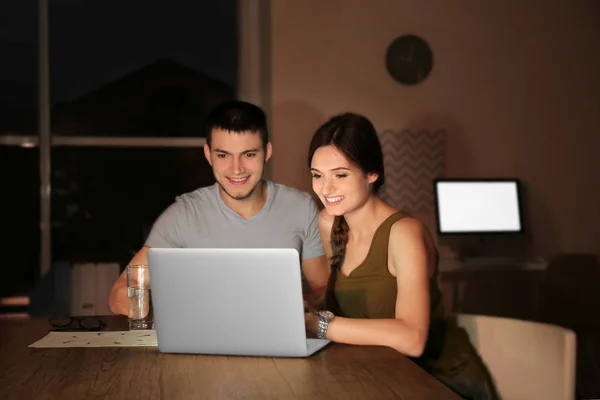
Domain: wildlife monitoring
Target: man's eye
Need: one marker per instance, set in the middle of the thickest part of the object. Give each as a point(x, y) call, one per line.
point(341, 175)
point(221, 155)
point(316, 176)
point(250, 155)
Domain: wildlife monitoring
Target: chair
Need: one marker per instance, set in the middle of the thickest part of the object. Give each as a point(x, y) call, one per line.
point(569, 298)
point(527, 360)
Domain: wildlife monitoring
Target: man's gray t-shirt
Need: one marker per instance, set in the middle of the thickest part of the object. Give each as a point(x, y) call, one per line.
point(201, 219)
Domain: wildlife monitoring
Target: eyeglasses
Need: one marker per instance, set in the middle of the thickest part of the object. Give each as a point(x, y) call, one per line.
point(76, 324)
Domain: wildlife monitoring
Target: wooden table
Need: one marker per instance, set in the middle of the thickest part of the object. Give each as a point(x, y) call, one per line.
point(336, 372)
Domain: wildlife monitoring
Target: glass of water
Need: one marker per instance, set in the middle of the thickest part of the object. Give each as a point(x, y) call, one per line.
point(141, 314)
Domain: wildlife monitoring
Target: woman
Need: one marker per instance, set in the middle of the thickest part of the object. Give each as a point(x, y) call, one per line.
point(383, 284)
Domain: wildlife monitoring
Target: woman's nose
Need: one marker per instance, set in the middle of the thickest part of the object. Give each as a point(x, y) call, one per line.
point(328, 187)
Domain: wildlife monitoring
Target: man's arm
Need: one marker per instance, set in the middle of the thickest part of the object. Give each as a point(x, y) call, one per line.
point(314, 260)
point(316, 301)
point(316, 273)
point(118, 301)
point(164, 233)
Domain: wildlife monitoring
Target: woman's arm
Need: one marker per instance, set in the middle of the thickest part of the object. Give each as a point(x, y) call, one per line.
point(411, 258)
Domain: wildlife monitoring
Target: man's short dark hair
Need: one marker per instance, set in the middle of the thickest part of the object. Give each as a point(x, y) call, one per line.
point(237, 116)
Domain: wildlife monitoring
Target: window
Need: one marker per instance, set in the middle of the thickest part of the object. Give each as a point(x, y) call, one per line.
point(130, 84)
point(104, 200)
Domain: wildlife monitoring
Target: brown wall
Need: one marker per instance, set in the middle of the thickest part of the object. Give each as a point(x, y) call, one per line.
point(515, 84)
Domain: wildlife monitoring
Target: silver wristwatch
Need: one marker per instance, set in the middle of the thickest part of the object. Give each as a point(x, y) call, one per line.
point(324, 318)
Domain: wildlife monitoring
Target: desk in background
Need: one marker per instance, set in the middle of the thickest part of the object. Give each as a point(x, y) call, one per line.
point(501, 287)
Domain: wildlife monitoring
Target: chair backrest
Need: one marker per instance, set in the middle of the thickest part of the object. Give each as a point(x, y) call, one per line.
point(528, 360)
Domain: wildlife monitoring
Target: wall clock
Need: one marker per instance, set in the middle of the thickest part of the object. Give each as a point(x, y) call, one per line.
point(409, 59)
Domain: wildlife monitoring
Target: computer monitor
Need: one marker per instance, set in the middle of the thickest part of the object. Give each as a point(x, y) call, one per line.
point(478, 206)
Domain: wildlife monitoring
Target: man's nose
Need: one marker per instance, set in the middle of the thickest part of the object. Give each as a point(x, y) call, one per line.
point(238, 165)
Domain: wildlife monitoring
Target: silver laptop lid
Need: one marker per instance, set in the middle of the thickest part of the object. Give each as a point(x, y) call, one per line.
point(228, 301)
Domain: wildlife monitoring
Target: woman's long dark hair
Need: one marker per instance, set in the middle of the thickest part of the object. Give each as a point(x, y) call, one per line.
point(356, 138)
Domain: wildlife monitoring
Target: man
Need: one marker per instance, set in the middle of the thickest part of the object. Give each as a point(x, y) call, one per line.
point(241, 209)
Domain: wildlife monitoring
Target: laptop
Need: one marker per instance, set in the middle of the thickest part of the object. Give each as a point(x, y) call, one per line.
point(238, 302)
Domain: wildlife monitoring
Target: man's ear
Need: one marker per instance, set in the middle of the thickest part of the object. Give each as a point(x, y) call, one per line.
point(269, 151)
point(207, 153)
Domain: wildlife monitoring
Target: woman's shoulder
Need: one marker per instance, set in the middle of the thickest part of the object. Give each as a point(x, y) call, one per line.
point(407, 225)
point(408, 232)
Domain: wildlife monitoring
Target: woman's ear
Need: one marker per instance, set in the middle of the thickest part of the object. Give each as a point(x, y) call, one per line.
point(372, 177)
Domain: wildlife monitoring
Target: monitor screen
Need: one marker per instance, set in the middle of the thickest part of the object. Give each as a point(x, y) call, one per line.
point(478, 206)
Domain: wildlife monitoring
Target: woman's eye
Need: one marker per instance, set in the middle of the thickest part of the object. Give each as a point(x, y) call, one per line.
point(341, 175)
point(316, 176)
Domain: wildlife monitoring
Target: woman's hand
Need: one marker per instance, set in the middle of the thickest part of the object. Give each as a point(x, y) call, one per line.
point(311, 321)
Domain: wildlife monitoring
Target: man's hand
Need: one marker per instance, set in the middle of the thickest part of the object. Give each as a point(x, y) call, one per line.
point(314, 296)
point(118, 302)
point(314, 300)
